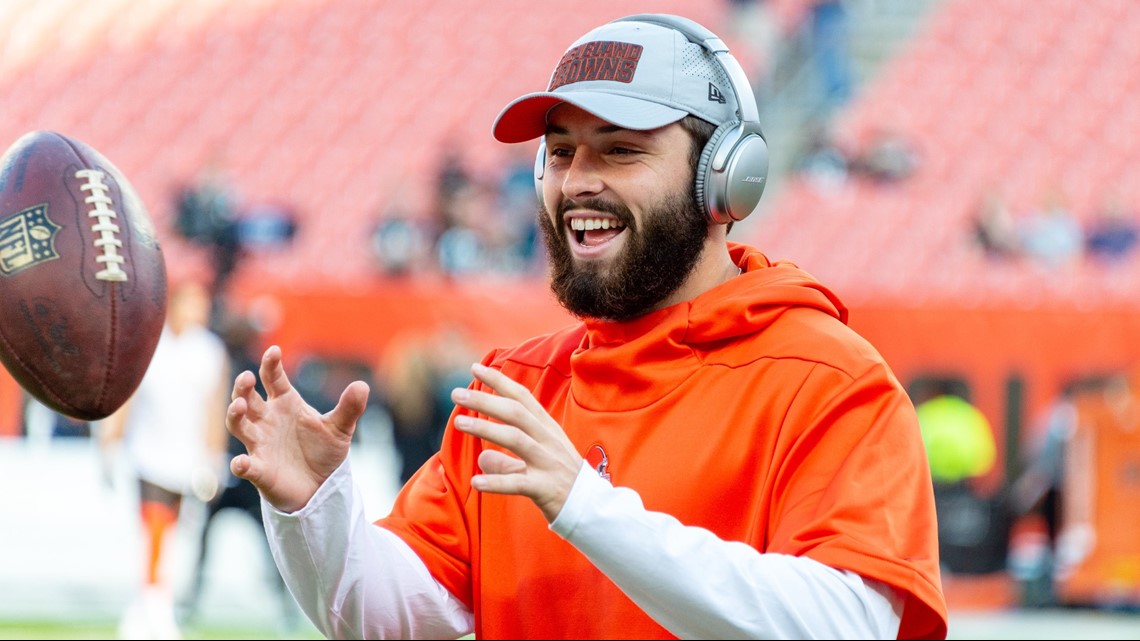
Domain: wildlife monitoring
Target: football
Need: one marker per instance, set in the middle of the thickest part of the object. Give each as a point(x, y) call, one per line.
point(82, 276)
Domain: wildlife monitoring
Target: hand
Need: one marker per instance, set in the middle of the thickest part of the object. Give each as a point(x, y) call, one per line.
point(291, 447)
point(547, 462)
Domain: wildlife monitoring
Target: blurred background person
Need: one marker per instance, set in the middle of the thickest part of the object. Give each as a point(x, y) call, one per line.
point(830, 29)
point(400, 242)
point(243, 345)
point(823, 161)
point(973, 526)
point(1079, 494)
point(1053, 236)
point(521, 244)
point(994, 227)
point(415, 377)
point(958, 438)
point(1113, 230)
point(1036, 495)
point(173, 438)
point(206, 214)
point(886, 157)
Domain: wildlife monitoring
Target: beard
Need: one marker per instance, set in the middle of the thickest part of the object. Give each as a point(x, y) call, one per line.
point(656, 260)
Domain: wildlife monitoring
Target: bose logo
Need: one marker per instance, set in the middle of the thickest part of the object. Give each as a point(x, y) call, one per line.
point(752, 179)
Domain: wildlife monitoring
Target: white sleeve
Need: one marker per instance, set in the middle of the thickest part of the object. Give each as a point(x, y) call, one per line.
point(353, 579)
point(699, 586)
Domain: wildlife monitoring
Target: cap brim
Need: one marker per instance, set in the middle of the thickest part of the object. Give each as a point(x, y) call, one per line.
point(525, 118)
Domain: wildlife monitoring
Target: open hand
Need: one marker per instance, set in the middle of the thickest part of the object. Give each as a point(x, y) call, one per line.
point(547, 462)
point(292, 448)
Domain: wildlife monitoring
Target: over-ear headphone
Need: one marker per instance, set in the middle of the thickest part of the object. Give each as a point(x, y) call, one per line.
point(733, 167)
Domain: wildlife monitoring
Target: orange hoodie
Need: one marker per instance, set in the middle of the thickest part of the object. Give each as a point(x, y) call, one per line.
point(752, 411)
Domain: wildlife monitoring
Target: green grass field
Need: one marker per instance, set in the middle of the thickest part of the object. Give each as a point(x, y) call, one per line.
point(107, 630)
point(35, 630)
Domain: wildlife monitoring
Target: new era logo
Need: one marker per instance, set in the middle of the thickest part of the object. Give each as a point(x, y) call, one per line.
point(715, 95)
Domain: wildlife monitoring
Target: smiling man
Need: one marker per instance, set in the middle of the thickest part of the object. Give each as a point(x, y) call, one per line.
point(710, 452)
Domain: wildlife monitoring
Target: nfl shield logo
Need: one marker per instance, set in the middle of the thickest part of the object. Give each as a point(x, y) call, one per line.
point(27, 238)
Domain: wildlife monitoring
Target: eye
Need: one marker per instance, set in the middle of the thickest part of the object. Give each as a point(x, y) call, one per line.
point(623, 151)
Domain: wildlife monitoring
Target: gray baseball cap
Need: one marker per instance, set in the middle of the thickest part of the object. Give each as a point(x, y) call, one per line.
point(636, 75)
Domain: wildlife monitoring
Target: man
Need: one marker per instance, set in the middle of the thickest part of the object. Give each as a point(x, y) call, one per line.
point(171, 433)
point(711, 452)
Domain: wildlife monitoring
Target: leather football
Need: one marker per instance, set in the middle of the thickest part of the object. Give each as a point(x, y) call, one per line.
point(82, 277)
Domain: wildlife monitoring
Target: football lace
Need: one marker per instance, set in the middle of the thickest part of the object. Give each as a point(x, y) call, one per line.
point(105, 227)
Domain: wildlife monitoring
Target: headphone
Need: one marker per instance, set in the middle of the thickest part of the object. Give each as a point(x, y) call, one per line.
point(733, 167)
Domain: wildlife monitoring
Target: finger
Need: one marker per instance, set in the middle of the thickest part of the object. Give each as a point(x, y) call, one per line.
point(503, 385)
point(498, 407)
point(353, 401)
point(514, 405)
point(243, 383)
point(273, 373)
point(240, 466)
point(247, 467)
point(502, 434)
point(516, 484)
point(507, 387)
point(239, 424)
point(496, 462)
point(511, 403)
point(251, 402)
point(236, 411)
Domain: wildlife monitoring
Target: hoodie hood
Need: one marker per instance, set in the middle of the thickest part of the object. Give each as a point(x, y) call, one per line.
point(648, 357)
point(752, 301)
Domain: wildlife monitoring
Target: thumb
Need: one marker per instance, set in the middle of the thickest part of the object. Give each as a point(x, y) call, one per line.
point(353, 401)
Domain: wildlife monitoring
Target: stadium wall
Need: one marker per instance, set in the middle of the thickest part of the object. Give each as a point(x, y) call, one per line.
point(1014, 362)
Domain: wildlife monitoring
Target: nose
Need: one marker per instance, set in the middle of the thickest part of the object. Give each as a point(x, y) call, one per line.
point(583, 175)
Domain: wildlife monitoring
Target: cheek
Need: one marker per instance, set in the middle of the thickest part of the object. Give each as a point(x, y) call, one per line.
point(547, 209)
point(546, 220)
point(549, 194)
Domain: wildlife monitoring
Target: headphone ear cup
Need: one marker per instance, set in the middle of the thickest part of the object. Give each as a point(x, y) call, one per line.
point(732, 172)
point(539, 169)
point(705, 182)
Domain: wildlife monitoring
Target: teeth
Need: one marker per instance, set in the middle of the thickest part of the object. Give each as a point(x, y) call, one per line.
point(590, 224)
